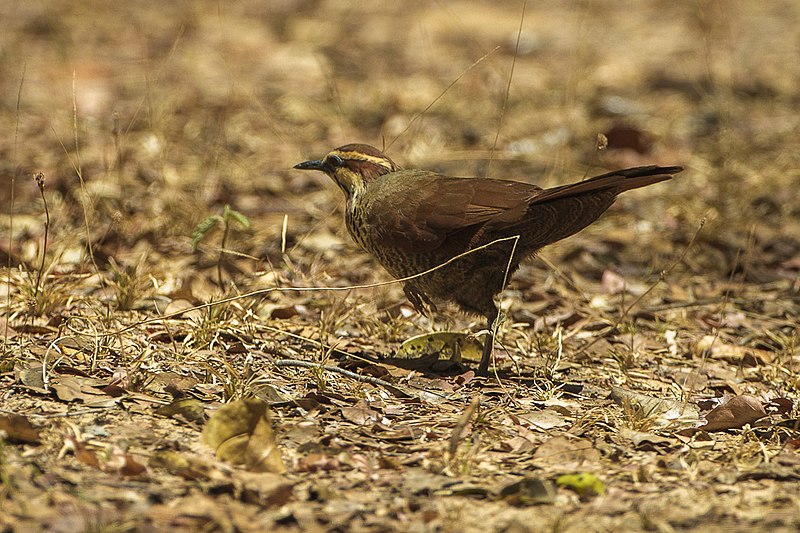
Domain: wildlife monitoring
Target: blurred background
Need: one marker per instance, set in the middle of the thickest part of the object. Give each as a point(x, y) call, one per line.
point(146, 117)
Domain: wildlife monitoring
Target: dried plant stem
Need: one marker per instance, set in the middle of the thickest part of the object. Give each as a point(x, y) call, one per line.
point(39, 178)
point(79, 412)
point(495, 325)
point(421, 113)
point(225, 230)
point(79, 172)
point(78, 168)
point(508, 90)
point(661, 277)
point(394, 389)
point(726, 299)
point(13, 198)
point(461, 424)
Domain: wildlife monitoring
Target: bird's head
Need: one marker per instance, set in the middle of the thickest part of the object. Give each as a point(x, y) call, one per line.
point(352, 166)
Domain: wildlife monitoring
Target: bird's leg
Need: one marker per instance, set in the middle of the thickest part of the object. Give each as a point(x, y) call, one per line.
point(488, 343)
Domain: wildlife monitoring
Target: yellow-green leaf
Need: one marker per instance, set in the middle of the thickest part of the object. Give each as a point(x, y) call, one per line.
point(444, 345)
point(584, 484)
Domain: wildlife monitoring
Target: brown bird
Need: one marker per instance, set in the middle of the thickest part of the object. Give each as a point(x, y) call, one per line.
point(413, 221)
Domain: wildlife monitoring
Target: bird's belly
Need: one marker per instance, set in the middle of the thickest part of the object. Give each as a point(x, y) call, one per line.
point(471, 281)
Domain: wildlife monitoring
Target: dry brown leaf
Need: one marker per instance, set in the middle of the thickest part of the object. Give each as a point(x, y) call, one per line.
point(241, 433)
point(179, 464)
point(18, 429)
point(566, 452)
point(82, 452)
point(187, 409)
point(8, 332)
point(716, 348)
point(284, 312)
point(529, 491)
point(68, 389)
point(175, 307)
point(265, 489)
point(360, 415)
point(612, 283)
point(516, 444)
point(32, 377)
point(545, 419)
point(315, 462)
point(638, 438)
point(661, 410)
point(690, 380)
point(124, 463)
point(83, 389)
point(737, 412)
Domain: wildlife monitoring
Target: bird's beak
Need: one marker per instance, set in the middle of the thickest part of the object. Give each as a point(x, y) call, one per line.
point(311, 165)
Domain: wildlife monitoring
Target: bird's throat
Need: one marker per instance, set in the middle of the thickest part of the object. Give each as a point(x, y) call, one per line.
point(354, 220)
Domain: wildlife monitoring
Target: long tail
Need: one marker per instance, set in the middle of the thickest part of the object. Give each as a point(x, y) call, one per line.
point(618, 181)
point(563, 211)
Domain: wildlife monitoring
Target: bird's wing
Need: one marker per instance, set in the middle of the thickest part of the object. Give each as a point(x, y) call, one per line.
point(441, 209)
point(417, 213)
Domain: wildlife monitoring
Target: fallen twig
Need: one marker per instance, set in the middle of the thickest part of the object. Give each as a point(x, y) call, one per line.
point(394, 389)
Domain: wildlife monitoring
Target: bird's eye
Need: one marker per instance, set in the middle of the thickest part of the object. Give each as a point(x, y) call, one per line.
point(335, 161)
